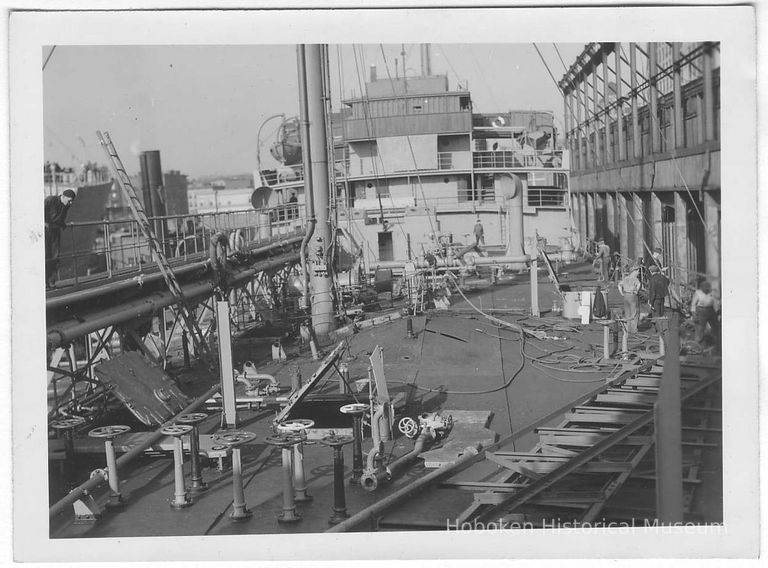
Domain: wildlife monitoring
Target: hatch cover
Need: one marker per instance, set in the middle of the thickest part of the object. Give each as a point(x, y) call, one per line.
point(145, 389)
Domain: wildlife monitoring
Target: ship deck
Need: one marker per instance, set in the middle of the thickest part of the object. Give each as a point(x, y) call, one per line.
point(457, 361)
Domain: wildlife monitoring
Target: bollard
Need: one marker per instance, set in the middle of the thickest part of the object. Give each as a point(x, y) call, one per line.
point(298, 428)
point(180, 496)
point(535, 288)
point(109, 433)
point(624, 342)
point(194, 419)
point(606, 345)
point(661, 345)
point(339, 499)
point(285, 442)
point(356, 410)
point(233, 439)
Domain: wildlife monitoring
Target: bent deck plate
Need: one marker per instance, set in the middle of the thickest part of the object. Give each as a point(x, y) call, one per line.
point(145, 389)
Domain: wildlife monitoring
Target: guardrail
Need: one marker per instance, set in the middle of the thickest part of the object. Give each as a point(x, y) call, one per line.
point(517, 159)
point(105, 249)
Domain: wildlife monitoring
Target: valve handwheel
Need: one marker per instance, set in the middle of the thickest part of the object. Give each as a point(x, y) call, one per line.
point(191, 418)
point(67, 423)
point(177, 429)
point(109, 431)
point(354, 408)
point(295, 426)
point(408, 427)
point(233, 437)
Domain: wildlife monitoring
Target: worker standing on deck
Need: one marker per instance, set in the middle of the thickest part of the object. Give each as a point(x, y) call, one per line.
point(479, 233)
point(604, 254)
point(55, 209)
point(705, 308)
point(629, 287)
point(658, 287)
point(293, 209)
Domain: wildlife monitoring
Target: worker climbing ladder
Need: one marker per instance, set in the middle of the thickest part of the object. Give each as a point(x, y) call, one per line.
point(137, 209)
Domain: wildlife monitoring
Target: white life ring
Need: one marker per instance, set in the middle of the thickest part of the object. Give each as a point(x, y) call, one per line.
point(498, 122)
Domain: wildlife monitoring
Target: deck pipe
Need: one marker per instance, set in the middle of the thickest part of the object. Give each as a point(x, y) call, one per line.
point(150, 305)
point(323, 320)
point(126, 458)
point(370, 480)
point(377, 509)
point(142, 280)
point(306, 153)
point(441, 263)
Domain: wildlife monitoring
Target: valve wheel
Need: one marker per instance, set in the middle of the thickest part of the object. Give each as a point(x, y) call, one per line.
point(408, 427)
point(283, 440)
point(177, 430)
point(295, 426)
point(354, 408)
point(67, 423)
point(233, 437)
point(336, 440)
point(109, 431)
point(192, 418)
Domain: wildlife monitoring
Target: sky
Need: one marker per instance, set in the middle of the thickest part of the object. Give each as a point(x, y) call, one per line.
point(202, 106)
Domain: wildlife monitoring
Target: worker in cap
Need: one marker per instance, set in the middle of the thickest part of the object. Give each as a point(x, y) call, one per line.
point(479, 233)
point(55, 209)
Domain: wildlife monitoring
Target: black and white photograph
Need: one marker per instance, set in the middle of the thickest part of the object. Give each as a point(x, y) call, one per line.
point(384, 284)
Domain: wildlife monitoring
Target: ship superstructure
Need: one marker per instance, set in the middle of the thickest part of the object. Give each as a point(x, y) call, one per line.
point(414, 163)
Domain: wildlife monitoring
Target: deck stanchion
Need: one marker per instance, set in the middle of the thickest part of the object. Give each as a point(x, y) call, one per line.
point(339, 498)
point(180, 496)
point(109, 433)
point(298, 428)
point(356, 410)
point(194, 419)
point(68, 426)
point(234, 439)
point(285, 443)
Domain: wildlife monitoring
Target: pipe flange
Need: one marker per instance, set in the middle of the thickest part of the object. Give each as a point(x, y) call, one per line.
point(176, 430)
point(109, 432)
point(100, 472)
point(192, 418)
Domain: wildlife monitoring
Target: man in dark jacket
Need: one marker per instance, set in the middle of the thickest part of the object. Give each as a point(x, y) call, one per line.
point(658, 288)
point(55, 209)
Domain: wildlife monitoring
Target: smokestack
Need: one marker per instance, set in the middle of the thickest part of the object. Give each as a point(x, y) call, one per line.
point(426, 64)
point(373, 73)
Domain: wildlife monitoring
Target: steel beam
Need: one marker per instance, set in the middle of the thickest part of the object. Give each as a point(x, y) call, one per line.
point(636, 134)
point(677, 107)
point(653, 97)
point(621, 145)
point(669, 434)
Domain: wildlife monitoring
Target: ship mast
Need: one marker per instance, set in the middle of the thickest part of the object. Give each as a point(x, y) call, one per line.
point(320, 246)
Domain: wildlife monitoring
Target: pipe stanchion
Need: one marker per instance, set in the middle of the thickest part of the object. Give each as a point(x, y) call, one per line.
point(233, 439)
point(68, 426)
point(109, 433)
point(194, 419)
point(356, 410)
point(339, 499)
point(285, 443)
point(298, 428)
point(409, 327)
point(180, 495)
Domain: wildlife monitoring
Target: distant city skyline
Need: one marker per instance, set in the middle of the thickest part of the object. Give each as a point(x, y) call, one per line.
point(202, 106)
